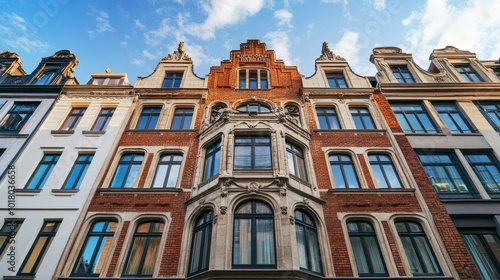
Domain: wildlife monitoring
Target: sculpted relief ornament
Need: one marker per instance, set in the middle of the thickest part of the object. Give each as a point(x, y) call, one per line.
point(179, 54)
point(327, 54)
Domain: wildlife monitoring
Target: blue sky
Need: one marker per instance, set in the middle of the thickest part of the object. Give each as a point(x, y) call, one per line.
point(132, 36)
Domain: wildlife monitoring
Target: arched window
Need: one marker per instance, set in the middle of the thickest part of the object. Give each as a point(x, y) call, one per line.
point(200, 246)
point(307, 242)
point(46, 78)
point(344, 173)
point(366, 250)
point(127, 170)
point(144, 248)
point(96, 249)
point(254, 108)
point(167, 171)
point(417, 248)
point(384, 171)
point(253, 236)
point(296, 162)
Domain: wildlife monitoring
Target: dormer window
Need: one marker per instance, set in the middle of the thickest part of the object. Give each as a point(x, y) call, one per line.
point(402, 74)
point(253, 79)
point(46, 78)
point(336, 80)
point(469, 74)
point(254, 108)
point(172, 80)
point(496, 70)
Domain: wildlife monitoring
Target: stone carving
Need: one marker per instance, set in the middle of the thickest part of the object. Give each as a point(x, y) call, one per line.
point(216, 217)
point(223, 191)
point(179, 54)
point(216, 113)
point(253, 187)
point(327, 54)
point(283, 191)
point(292, 220)
point(223, 210)
point(284, 210)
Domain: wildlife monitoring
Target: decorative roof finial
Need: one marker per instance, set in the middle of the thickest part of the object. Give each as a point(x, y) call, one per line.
point(179, 54)
point(327, 54)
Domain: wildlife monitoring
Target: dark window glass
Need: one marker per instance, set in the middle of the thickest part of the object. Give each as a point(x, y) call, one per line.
point(39, 248)
point(42, 171)
point(484, 247)
point(362, 118)
point(413, 118)
point(7, 235)
point(143, 252)
point(103, 119)
point(96, 249)
point(487, 170)
point(200, 245)
point(127, 171)
point(344, 173)
point(252, 153)
point(254, 108)
point(307, 242)
point(402, 74)
point(78, 172)
point(327, 118)
point(212, 160)
point(491, 111)
point(46, 78)
point(73, 119)
point(384, 171)
point(336, 80)
point(366, 250)
point(420, 256)
point(453, 118)
point(468, 73)
point(182, 118)
point(172, 80)
point(167, 171)
point(253, 79)
point(18, 116)
point(253, 236)
point(149, 118)
point(496, 70)
point(296, 162)
point(444, 172)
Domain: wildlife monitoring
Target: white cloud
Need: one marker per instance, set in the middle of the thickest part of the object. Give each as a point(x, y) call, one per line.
point(137, 62)
point(199, 56)
point(139, 24)
point(154, 37)
point(348, 47)
point(280, 43)
point(102, 21)
point(379, 4)
point(148, 55)
point(284, 17)
point(471, 26)
point(221, 13)
point(16, 34)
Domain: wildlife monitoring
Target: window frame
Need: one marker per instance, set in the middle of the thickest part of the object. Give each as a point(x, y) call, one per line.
point(401, 70)
point(182, 113)
point(253, 217)
point(481, 105)
point(381, 163)
point(86, 162)
point(129, 164)
point(105, 115)
point(481, 232)
point(172, 77)
point(342, 170)
point(206, 228)
point(102, 235)
point(311, 229)
point(51, 163)
point(336, 80)
point(453, 115)
point(169, 164)
point(9, 234)
point(45, 78)
point(363, 235)
point(247, 73)
point(397, 108)
point(212, 151)
point(21, 111)
point(363, 117)
point(46, 246)
point(493, 162)
point(416, 248)
point(295, 159)
point(150, 234)
point(73, 118)
point(261, 108)
point(324, 112)
point(253, 144)
point(149, 116)
point(467, 73)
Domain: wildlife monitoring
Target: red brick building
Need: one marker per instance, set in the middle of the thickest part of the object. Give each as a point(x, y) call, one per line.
point(257, 172)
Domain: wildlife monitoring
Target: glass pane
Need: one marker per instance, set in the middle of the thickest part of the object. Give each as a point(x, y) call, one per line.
point(314, 254)
point(196, 251)
point(483, 260)
point(84, 264)
point(301, 246)
point(135, 255)
point(428, 262)
point(174, 174)
point(262, 208)
point(242, 252)
point(359, 255)
point(411, 254)
point(263, 157)
point(151, 253)
point(132, 175)
point(375, 256)
point(265, 241)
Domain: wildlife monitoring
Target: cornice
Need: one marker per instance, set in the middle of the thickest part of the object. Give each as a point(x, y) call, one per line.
point(440, 89)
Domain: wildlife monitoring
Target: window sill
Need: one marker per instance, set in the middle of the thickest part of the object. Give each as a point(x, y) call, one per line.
point(343, 130)
point(12, 134)
point(372, 191)
point(60, 192)
point(467, 134)
point(93, 133)
point(19, 277)
point(62, 132)
point(455, 196)
point(409, 133)
point(161, 130)
point(140, 190)
point(27, 192)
